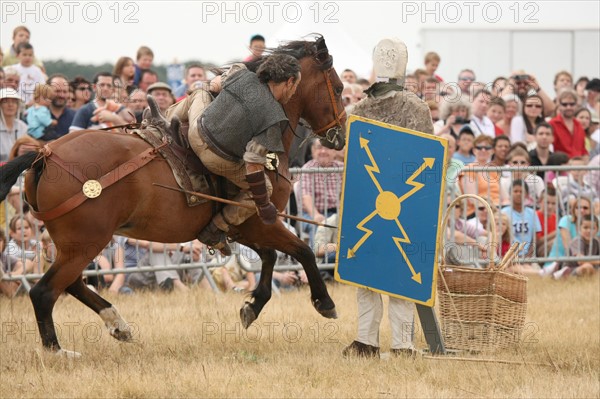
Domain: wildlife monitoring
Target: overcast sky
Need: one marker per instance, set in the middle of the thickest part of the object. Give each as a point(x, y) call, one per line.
point(218, 32)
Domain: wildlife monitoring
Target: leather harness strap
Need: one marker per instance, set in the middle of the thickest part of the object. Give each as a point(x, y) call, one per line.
point(105, 181)
point(338, 116)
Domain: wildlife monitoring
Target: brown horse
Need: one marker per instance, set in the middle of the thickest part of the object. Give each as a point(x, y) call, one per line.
point(134, 207)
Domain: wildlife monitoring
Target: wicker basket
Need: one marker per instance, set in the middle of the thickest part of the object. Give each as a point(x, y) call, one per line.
point(480, 309)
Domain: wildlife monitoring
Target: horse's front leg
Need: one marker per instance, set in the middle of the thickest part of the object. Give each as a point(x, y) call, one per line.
point(320, 298)
point(262, 293)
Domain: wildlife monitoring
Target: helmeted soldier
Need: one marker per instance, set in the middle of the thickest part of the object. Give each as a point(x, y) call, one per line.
point(387, 101)
point(233, 135)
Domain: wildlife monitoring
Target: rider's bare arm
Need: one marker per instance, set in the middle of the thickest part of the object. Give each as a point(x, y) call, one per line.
point(216, 84)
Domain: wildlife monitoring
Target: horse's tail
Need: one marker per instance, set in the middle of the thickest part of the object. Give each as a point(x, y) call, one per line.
point(10, 172)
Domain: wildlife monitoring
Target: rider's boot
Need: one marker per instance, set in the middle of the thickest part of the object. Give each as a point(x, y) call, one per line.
point(214, 235)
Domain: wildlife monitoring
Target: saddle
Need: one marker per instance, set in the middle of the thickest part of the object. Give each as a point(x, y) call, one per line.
point(188, 170)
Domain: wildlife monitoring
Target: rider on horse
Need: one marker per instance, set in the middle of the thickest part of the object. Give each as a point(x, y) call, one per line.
point(234, 133)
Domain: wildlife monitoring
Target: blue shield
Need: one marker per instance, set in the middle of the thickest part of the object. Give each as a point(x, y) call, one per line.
point(391, 208)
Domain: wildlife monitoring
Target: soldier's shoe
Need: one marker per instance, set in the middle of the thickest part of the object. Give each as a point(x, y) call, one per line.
point(405, 352)
point(360, 350)
point(214, 237)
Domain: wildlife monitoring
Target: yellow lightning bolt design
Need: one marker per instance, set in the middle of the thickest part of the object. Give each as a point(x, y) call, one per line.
point(427, 163)
point(404, 239)
point(373, 168)
point(388, 207)
point(361, 227)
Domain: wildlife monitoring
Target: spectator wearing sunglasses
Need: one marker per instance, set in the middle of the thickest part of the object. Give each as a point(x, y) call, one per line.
point(569, 136)
point(466, 77)
point(522, 126)
point(485, 183)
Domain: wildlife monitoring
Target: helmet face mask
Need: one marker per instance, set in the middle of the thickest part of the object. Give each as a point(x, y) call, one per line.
point(390, 57)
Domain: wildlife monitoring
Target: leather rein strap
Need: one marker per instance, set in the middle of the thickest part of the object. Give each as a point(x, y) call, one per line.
point(105, 181)
point(337, 115)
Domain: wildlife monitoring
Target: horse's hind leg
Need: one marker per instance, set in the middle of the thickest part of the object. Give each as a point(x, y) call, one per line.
point(44, 296)
point(117, 327)
point(262, 293)
point(65, 272)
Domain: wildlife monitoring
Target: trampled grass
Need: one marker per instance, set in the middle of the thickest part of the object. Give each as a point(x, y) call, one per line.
point(192, 345)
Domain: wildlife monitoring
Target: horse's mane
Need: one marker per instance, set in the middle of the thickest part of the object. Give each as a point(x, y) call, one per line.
point(299, 49)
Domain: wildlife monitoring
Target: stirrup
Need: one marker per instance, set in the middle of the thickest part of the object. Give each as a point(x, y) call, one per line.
point(216, 238)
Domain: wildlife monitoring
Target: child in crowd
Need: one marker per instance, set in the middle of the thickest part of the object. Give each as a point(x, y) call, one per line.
point(8, 263)
point(585, 244)
point(524, 219)
point(432, 62)
point(144, 59)
point(38, 115)
point(31, 75)
point(465, 146)
point(22, 238)
point(547, 215)
point(504, 232)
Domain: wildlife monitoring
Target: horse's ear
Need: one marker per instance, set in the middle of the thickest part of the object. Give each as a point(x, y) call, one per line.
point(154, 110)
point(322, 53)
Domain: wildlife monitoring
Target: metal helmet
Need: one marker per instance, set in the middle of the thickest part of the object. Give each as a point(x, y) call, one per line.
point(390, 57)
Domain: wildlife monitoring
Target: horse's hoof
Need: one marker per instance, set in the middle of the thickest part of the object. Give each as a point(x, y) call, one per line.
point(247, 315)
point(68, 354)
point(328, 313)
point(121, 335)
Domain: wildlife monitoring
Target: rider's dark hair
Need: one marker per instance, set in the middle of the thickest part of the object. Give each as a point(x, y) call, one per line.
point(278, 68)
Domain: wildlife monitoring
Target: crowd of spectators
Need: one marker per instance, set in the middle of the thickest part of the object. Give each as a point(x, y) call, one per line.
point(495, 129)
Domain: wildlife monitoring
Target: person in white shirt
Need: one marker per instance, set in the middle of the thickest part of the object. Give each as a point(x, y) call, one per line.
point(30, 73)
point(480, 123)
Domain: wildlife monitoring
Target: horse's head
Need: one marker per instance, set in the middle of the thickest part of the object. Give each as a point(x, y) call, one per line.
point(318, 99)
point(322, 88)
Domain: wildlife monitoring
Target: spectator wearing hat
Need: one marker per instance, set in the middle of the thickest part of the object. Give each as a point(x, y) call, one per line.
point(592, 96)
point(11, 127)
point(163, 94)
point(569, 136)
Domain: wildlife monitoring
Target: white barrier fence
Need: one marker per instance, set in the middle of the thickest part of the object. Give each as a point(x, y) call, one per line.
point(204, 261)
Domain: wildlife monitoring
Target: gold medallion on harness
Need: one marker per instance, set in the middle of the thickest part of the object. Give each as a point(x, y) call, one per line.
point(92, 188)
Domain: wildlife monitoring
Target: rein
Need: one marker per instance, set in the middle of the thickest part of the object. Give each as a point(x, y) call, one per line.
point(337, 121)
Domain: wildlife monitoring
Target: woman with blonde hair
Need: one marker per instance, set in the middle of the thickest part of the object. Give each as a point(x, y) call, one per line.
point(453, 116)
point(125, 70)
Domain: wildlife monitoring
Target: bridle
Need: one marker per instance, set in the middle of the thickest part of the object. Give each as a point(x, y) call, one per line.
point(331, 131)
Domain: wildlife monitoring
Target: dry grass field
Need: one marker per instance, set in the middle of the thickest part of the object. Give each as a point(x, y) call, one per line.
point(193, 346)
